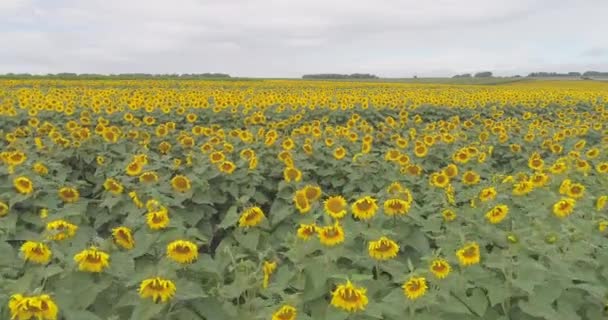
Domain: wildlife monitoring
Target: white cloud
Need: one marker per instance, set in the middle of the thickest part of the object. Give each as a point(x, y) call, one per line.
point(292, 37)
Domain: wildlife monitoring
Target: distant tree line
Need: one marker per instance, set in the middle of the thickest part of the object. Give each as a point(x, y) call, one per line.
point(340, 76)
point(67, 75)
point(569, 74)
point(483, 74)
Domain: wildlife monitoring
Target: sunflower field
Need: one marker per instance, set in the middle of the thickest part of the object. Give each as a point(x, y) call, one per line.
point(284, 200)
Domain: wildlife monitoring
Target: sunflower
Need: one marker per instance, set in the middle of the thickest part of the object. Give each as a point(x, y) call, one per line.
point(268, 269)
point(286, 312)
point(182, 251)
point(396, 206)
point(364, 208)
point(564, 207)
point(415, 287)
point(335, 207)
point(92, 260)
point(313, 193)
point(123, 237)
point(301, 201)
point(349, 298)
point(148, 177)
point(440, 268)
point(602, 167)
point(228, 167)
point(487, 194)
point(251, 217)
point(575, 190)
point(439, 179)
point(497, 214)
point(470, 178)
point(331, 235)
point(539, 179)
point(181, 183)
point(134, 168)
point(600, 203)
point(113, 186)
point(69, 195)
point(159, 219)
point(3, 209)
point(448, 215)
point(40, 168)
point(536, 162)
point(60, 230)
point(159, 289)
point(40, 307)
point(339, 153)
point(394, 188)
point(292, 174)
point(564, 187)
point(383, 249)
point(522, 188)
point(451, 170)
point(36, 252)
point(469, 254)
point(135, 198)
point(305, 231)
point(16, 158)
point(421, 151)
point(558, 167)
point(23, 185)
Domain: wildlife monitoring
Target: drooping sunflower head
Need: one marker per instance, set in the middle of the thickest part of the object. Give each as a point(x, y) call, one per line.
point(159, 219)
point(487, 194)
point(123, 237)
point(364, 208)
point(396, 206)
point(349, 297)
point(469, 254)
point(3, 209)
point(92, 260)
point(148, 177)
point(286, 312)
point(251, 217)
point(497, 214)
point(335, 206)
point(36, 252)
point(182, 251)
point(60, 230)
point(564, 207)
point(134, 168)
point(228, 167)
point(415, 287)
point(523, 187)
point(159, 289)
point(32, 307)
point(383, 249)
point(305, 231)
point(113, 186)
point(301, 201)
point(331, 235)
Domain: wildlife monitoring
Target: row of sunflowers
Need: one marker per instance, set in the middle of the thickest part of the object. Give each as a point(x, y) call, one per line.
point(290, 200)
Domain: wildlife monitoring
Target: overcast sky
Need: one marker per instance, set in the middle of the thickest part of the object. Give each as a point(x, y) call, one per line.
point(288, 38)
